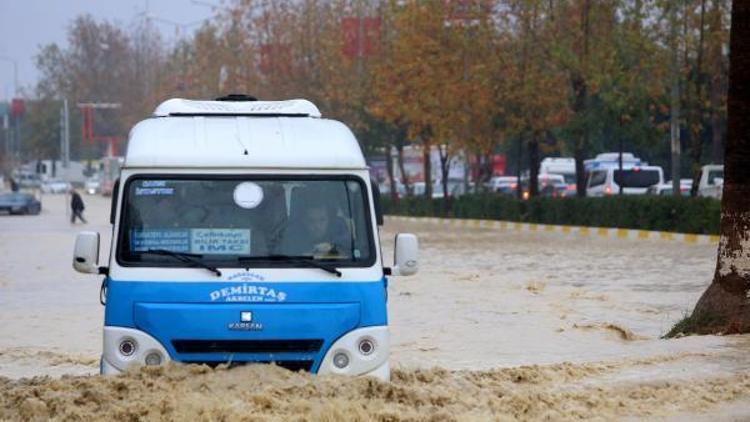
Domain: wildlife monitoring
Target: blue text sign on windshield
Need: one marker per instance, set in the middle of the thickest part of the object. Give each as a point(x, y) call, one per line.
point(176, 240)
point(200, 241)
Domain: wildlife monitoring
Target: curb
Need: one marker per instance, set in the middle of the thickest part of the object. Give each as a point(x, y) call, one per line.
point(615, 233)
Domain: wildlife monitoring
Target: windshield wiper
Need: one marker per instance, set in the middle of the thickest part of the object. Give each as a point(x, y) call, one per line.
point(306, 260)
point(188, 258)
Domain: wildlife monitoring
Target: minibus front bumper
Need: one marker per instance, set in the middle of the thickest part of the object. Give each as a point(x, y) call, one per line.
point(360, 352)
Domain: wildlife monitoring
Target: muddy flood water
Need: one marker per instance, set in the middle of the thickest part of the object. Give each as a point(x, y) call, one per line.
point(498, 325)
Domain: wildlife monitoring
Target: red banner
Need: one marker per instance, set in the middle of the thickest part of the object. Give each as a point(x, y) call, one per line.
point(17, 108)
point(369, 28)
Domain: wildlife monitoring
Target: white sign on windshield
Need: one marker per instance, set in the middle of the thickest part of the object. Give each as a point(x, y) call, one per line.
point(220, 241)
point(200, 241)
point(248, 195)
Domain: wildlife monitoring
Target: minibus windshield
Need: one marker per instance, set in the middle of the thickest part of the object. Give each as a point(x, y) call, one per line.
point(246, 221)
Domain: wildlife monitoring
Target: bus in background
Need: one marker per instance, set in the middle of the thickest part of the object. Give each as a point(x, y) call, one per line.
point(563, 166)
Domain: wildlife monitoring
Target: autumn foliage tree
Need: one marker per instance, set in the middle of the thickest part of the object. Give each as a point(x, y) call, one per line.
point(466, 78)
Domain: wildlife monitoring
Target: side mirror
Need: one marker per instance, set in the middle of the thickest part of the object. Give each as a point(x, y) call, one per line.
point(405, 255)
point(86, 254)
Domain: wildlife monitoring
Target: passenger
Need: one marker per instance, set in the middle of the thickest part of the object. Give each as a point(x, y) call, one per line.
point(163, 212)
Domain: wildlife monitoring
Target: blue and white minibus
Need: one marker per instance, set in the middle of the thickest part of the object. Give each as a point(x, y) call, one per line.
point(245, 231)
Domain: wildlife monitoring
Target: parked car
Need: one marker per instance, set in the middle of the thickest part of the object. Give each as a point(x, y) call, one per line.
point(419, 188)
point(505, 185)
point(553, 185)
point(634, 180)
point(666, 188)
point(564, 166)
point(19, 203)
point(27, 180)
point(711, 183)
point(92, 186)
point(55, 186)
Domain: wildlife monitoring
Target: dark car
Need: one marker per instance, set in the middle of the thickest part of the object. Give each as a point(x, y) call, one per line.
point(20, 203)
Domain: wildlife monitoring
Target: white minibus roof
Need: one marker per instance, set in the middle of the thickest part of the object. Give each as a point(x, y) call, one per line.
point(182, 107)
point(242, 134)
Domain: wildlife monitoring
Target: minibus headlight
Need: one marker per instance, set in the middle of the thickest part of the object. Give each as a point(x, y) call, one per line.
point(366, 346)
point(341, 360)
point(127, 347)
point(153, 359)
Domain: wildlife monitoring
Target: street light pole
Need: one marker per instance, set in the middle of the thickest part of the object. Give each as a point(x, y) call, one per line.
point(15, 73)
point(12, 133)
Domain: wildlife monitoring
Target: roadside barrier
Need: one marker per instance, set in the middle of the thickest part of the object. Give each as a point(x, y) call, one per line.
point(616, 233)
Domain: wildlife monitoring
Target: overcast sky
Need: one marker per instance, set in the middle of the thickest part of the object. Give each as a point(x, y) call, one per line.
point(27, 24)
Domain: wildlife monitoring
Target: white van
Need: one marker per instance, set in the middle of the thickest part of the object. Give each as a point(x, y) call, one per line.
point(564, 166)
point(245, 232)
point(634, 180)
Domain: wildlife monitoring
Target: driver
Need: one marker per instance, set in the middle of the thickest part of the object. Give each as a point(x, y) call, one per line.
point(324, 238)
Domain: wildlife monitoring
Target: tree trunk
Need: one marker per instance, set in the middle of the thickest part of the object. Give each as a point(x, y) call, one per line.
point(402, 169)
point(674, 108)
point(486, 170)
point(578, 155)
point(716, 69)
point(619, 155)
point(534, 165)
point(724, 306)
point(445, 160)
point(581, 103)
point(391, 175)
point(715, 122)
point(479, 178)
point(696, 123)
point(427, 170)
point(519, 159)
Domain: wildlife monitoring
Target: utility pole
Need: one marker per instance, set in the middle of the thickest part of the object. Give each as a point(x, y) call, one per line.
point(66, 155)
point(5, 126)
point(15, 73)
point(64, 134)
point(12, 131)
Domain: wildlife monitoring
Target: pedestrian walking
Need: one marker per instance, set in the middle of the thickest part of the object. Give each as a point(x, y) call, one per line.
point(76, 206)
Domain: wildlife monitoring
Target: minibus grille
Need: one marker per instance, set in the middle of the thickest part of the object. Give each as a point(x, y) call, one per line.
point(292, 365)
point(247, 346)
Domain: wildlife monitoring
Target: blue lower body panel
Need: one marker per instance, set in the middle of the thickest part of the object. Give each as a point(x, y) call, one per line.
point(292, 324)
